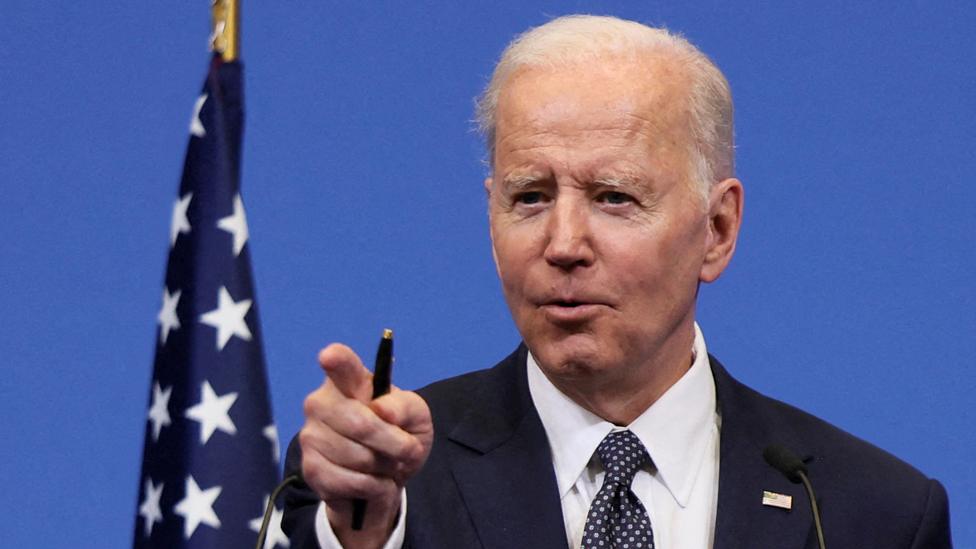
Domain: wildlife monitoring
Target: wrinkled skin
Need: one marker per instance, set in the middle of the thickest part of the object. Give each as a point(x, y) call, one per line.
point(599, 236)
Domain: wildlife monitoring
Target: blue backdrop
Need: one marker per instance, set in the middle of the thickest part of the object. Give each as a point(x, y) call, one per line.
point(849, 295)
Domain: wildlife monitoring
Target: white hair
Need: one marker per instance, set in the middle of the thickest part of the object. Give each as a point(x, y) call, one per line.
point(574, 39)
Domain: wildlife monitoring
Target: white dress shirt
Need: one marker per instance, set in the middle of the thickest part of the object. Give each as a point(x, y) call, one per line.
point(681, 434)
point(679, 489)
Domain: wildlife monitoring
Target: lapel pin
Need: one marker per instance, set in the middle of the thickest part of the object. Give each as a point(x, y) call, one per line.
point(773, 499)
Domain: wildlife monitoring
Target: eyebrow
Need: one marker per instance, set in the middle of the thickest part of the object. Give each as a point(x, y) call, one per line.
point(614, 181)
point(628, 184)
point(618, 181)
point(519, 182)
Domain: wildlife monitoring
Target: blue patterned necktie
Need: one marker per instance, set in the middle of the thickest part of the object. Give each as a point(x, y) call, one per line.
point(617, 519)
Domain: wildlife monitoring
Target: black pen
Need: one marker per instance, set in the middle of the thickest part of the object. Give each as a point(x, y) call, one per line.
point(382, 369)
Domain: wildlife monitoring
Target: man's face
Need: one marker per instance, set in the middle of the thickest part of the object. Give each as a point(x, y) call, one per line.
point(598, 235)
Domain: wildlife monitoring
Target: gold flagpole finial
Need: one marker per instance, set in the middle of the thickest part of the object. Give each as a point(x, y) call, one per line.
point(226, 29)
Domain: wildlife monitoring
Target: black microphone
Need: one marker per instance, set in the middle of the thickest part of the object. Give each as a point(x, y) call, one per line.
point(792, 467)
point(263, 532)
point(785, 462)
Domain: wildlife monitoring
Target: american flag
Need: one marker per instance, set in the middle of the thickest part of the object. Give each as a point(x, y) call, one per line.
point(210, 458)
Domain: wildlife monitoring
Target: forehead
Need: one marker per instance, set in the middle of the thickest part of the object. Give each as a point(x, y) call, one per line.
point(649, 86)
point(595, 108)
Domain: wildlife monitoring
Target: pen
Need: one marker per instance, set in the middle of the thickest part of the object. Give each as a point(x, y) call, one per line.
point(382, 369)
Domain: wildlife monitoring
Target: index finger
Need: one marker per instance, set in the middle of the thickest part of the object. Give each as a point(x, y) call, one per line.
point(347, 372)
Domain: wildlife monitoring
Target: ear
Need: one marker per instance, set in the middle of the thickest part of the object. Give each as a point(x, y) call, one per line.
point(489, 184)
point(724, 218)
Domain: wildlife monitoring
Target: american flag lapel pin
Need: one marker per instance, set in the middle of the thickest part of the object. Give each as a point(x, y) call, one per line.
point(773, 499)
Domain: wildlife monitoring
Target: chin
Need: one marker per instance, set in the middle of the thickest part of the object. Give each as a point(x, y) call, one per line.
point(575, 356)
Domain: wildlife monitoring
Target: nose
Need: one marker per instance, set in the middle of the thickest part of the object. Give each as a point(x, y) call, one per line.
point(569, 244)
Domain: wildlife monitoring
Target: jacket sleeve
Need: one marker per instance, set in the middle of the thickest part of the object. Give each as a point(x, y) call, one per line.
point(301, 504)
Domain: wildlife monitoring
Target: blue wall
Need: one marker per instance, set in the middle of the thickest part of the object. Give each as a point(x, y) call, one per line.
point(849, 296)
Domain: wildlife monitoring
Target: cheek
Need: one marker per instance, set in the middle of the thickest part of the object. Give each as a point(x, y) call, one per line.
point(679, 259)
point(655, 265)
point(514, 244)
point(511, 259)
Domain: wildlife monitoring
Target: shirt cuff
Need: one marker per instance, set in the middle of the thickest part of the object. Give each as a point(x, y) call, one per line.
point(328, 540)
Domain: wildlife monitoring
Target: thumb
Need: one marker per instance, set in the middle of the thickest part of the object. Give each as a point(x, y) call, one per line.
point(346, 371)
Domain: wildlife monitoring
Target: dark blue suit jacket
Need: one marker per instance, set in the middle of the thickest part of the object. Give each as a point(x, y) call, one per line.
point(489, 480)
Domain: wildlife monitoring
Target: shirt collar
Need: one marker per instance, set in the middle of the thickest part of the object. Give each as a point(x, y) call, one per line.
point(675, 429)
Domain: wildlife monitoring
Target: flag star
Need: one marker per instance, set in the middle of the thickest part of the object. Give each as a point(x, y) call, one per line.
point(159, 411)
point(236, 224)
point(179, 224)
point(276, 536)
point(271, 433)
point(149, 508)
point(197, 507)
point(228, 318)
point(167, 317)
point(212, 412)
point(196, 127)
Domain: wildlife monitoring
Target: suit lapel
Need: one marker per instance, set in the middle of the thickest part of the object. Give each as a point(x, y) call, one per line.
point(743, 521)
point(500, 460)
point(501, 463)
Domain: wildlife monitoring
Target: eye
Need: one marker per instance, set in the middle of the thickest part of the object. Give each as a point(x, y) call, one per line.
point(614, 197)
point(529, 198)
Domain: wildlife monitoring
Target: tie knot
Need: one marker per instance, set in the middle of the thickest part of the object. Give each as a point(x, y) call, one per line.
point(621, 454)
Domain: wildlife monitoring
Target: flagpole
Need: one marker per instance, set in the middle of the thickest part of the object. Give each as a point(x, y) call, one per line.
point(226, 29)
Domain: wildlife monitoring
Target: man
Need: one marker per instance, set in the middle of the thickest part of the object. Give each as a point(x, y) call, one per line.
point(612, 197)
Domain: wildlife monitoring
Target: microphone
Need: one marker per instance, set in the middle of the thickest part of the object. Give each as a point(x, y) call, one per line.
point(263, 532)
point(792, 467)
point(785, 462)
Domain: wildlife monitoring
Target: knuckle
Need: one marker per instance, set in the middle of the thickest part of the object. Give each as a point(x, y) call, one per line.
point(404, 448)
point(413, 456)
point(419, 411)
point(416, 450)
point(415, 400)
point(306, 439)
point(364, 462)
point(310, 405)
point(359, 426)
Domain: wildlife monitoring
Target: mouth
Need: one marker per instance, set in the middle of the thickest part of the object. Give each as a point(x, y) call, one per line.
point(570, 311)
point(566, 303)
